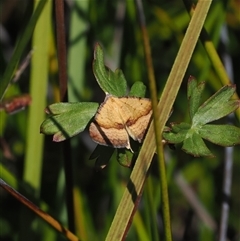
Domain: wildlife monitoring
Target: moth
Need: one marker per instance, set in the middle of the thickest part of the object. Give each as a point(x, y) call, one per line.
point(119, 118)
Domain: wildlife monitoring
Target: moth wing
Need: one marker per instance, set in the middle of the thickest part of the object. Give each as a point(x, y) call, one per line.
point(117, 138)
point(139, 115)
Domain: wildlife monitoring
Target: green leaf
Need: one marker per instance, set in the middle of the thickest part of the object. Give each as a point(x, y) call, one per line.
point(68, 119)
point(224, 135)
point(178, 134)
point(195, 146)
point(125, 157)
point(138, 89)
point(216, 106)
point(194, 95)
point(63, 107)
point(110, 82)
point(180, 127)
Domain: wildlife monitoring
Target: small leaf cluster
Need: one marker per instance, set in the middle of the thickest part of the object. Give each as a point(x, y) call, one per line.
point(68, 119)
point(216, 107)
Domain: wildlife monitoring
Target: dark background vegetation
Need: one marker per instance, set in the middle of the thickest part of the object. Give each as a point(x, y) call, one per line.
point(98, 192)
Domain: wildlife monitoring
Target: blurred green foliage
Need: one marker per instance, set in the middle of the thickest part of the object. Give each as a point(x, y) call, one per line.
point(97, 192)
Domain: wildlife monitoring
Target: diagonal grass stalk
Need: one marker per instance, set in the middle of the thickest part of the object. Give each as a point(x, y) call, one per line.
point(127, 206)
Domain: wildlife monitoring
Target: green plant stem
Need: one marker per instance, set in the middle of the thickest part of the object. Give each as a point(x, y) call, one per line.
point(157, 128)
point(127, 206)
point(38, 89)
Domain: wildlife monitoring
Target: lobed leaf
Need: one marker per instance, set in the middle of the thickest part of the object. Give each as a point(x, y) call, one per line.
point(216, 106)
point(63, 107)
point(178, 134)
point(194, 94)
point(71, 119)
point(110, 82)
point(138, 89)
point(223, 135)
point(176, 127)
point(195, 146)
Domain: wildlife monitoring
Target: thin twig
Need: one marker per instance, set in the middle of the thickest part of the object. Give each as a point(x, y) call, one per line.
point(22, 67)
point(227, 182)
point(24, 64)
point(228, 160)
point(157, 127)
point(62, 61)
point(46, 217)
point(61, 47)
point(197, 206)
